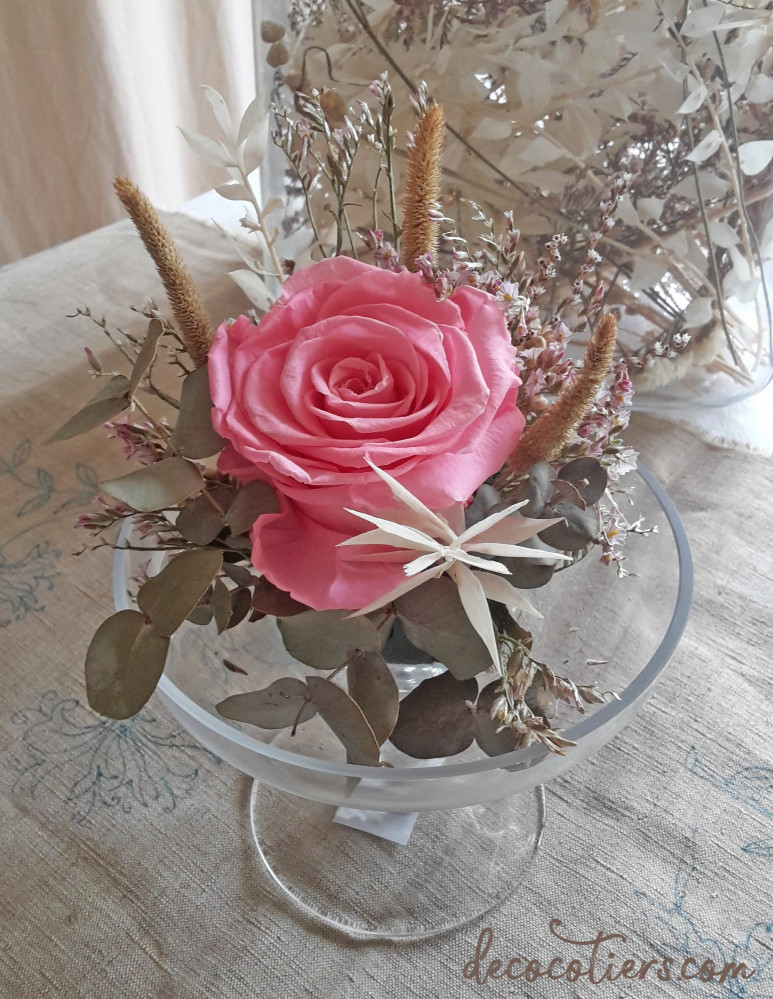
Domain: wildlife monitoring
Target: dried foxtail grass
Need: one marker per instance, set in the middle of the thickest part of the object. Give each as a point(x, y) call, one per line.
point(193, 320)
point(549, 434)
point(420, 234)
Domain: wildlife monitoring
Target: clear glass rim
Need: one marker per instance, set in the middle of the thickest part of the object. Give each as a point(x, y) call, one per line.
point(519, 759)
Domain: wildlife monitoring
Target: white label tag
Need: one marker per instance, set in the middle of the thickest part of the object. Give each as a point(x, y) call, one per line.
point(394, 826)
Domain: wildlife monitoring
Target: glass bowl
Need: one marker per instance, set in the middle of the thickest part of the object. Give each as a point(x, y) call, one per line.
point(479, 818)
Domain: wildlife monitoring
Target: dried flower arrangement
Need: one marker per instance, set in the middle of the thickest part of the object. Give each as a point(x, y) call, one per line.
point(678, 94)
point(403, 449)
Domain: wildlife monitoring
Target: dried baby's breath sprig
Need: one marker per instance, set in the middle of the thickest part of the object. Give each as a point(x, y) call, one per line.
point(188, 307)
point(420, 231)
point(545, 438)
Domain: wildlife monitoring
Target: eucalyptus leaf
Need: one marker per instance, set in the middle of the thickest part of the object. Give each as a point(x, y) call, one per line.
point(373, 687)
point(588, 476)
point(221, 605)
point(124, 663)
point(283, 703)
point(434, 620)
point(492, 743)
point(436, 719)
point(193, 435)
point(241, 604)
point(250, 502)
point(346, 719)
point(325, 639)
point(577, 529)
point(536, 489)
point(168, 598)
point(147, 354)
point(199, 521)
point(201, 615)
point(269, 599)
point(163, 484)
point(107, 403)
point(239, 574)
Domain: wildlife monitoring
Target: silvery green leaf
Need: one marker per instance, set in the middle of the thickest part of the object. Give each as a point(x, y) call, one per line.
point(723, 234)
point(241, 604)
point(233, 192)
point(576, 529)
point(254, 149)
point(755, 156)
point(256, 113)
point(708, 145)
point(165, 483)
point(193, 435)
point(168, 598)
point(492, 743)
point(373, 687)
point(435, 621)
point(250, 502)
point(199, 521)
point(703, 19)
point(694, 100)
point(325, 639)
point(759, 90)
point(589, 477)
point(124, 663)
point(254, 287)
point(210, 150)
point(221, 605)
point(273, 205)
point(112, 399)
point(269, 599)
point(698, 313)
point(436, 719)
point(345, 718)
point(147, 353)
point(201, 615)
point(220, 111)
point(283, 703)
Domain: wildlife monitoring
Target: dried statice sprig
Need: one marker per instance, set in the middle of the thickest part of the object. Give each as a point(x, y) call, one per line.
point(141, 441)
point(193, 320)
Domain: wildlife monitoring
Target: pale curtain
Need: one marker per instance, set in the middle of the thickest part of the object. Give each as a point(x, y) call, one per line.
point(95, 88)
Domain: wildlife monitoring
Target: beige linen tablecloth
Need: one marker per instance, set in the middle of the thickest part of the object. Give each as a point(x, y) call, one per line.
point(127, 867)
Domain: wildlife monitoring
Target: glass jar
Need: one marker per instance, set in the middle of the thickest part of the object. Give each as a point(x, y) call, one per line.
point(546, 102)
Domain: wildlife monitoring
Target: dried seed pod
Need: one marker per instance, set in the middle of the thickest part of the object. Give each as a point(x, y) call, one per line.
point(271, 31)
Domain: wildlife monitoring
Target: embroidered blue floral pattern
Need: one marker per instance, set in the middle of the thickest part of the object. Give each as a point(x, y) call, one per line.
point(671, 929)
point(92, 762)
point(752, 786)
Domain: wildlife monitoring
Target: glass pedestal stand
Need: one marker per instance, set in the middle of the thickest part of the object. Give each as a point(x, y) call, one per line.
point(457, 865)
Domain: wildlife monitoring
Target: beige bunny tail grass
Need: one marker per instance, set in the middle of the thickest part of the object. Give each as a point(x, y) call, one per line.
point(193, 320)
point(422, 187)
point(549, 434)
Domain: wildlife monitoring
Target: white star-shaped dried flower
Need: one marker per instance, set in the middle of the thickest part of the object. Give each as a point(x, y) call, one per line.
point(459, 555)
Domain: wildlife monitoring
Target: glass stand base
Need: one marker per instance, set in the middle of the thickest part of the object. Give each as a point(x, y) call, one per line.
point(457, 866)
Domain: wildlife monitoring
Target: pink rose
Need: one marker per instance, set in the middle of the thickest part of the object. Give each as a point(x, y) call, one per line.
point(354, 361)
